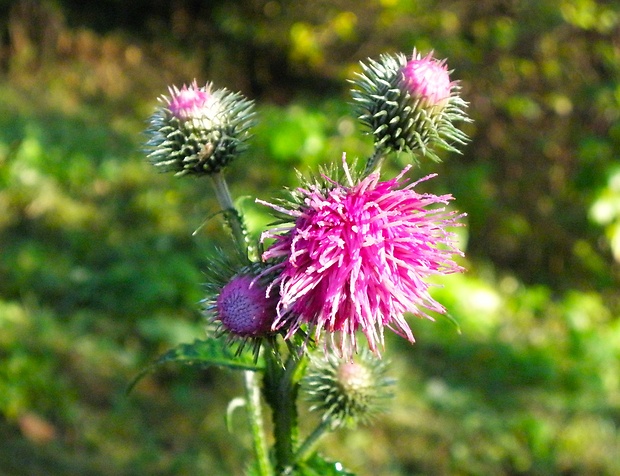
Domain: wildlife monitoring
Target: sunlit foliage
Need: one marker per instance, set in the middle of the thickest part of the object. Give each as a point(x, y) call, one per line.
point(100, 272)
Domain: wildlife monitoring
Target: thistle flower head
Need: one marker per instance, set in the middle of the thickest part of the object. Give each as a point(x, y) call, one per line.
point(237, 303)
point(410, 104)
point(347, 392)
point(198, 130)
point(356, 257)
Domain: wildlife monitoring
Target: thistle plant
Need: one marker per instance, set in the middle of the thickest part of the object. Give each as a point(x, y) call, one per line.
point(303, 311)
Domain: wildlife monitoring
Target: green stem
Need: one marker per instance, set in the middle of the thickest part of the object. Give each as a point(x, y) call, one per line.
point(281, 389)
point(233, 218)
point(309, 445)
point(374, 161)
point(252, 388)
point(285, 418)
point(256, 423)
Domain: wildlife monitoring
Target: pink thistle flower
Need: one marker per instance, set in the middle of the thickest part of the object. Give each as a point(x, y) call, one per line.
point(428, 79)
point(357, 258)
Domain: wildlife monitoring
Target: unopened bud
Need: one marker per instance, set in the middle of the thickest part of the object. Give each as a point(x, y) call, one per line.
point(198, 130)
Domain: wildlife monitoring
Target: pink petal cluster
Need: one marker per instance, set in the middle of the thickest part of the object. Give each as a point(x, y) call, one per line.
point(357, 258)
point(428, 78)
point(189, 102)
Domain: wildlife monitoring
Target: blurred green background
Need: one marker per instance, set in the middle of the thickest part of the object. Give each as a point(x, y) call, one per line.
point(100, 272)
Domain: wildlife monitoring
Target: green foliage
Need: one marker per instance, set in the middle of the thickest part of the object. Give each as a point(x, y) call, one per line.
point(318, 466)
point(204, 354)
point(605, 211)
point(315, 466)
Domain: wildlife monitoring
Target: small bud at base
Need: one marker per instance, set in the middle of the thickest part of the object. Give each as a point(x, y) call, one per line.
point(347, 391)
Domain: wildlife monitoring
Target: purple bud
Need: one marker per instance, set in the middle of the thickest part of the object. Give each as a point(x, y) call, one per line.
point(244, 309)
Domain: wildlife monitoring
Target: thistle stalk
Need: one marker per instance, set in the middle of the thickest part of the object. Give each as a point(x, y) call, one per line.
point(252, 388)
point(281, 390)
point(232, 216)
point(261, 451)
point(309, 445)
point(374, 161)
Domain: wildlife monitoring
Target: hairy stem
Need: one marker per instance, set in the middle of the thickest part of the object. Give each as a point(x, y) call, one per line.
point(252, 388)
point(281, 389)
point(232, 216)
point(256, 423)
point(374, 161)
point(311, 442)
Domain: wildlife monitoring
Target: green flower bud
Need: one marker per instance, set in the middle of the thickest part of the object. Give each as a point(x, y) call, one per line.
point(199, 131)
point(410, 105)
point(347, 391)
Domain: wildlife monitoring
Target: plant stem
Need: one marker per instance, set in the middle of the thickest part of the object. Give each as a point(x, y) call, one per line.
point(281, 389)
point(233, 218)
point(256, 423)
point(309, 445)
point(285, 418)
point(252, 387)
point(374, 161)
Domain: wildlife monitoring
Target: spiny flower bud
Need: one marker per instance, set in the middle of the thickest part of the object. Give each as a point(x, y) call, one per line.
point(198, 130)
point(243, 308)
point(237, 305)
point(348, 392)
point(410, 105)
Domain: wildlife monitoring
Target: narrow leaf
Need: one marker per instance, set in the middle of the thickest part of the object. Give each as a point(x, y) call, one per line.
point(203, 353)
point(232, 406)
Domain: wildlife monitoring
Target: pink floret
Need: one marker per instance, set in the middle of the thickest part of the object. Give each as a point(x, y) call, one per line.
point(189, 102)
point(428, 78)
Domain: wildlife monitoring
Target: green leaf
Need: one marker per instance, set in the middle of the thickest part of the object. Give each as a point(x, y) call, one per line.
point(230, 409)
point(203, 353)
point(315, 466)
point(319, 466)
